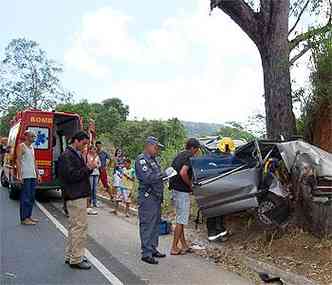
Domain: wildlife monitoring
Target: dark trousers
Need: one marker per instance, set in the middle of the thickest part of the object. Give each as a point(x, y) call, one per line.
point(27, 198)
point(149, 213)
point(215, 225)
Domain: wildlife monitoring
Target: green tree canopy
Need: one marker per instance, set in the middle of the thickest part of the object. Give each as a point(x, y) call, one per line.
point(131, 135)
point(319, 100)
point(5, 121)
point(106, 117)
point(29, 79)
point(117, 104)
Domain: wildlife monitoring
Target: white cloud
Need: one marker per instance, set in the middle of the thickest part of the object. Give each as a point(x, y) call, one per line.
point(195, 99)
point(220, 77)
point(80, 59)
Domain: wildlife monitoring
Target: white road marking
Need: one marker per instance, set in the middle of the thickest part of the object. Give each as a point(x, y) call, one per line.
point(103, 270)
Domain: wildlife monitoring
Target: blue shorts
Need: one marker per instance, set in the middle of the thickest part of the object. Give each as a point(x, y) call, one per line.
point(123, 194)
point(181, 202)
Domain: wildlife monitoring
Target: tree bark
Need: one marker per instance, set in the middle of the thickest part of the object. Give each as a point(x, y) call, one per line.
point(280, 119)
point(274, 50)
point(269, 31)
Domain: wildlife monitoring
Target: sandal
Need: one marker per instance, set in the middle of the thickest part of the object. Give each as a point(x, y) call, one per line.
point(188, 250)
point(179, 252)
point(34, 220)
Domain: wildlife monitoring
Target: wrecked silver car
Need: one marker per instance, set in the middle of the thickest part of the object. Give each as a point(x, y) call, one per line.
point(258, 175)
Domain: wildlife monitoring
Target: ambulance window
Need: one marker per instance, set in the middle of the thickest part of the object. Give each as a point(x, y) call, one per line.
point(13, 135)
point(42, 137)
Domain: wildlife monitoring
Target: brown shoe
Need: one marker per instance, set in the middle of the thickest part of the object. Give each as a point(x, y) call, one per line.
point(28, 222)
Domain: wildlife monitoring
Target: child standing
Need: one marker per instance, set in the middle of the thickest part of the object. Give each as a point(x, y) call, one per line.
point(117, 182)
point(127, 184)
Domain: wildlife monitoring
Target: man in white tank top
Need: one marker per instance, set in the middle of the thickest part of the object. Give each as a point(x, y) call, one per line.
point(27, 175)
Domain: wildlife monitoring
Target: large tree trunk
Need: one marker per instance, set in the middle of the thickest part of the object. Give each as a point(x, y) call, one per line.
point(268, 28)
point(280, 120)
point(274, 50)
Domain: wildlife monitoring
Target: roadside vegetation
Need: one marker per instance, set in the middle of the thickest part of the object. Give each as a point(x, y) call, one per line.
point(30, 79)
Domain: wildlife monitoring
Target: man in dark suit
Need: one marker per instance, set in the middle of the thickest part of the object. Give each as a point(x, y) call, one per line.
point(74, 176)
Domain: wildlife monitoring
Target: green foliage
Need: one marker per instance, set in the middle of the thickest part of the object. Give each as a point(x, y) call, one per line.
point(235, 131)
point(116, 103)
point(197, 129)
point(131, 135)
point(5, 121)
point(256, 125)
point(107, 115)
point(301, 125)
point(82, 108)
point(112, 126)
point(322, 77)
point(320, 96)
point(28, 78)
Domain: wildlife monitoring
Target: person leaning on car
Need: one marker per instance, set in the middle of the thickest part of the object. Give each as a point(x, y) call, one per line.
point(215, 225)
point(74, 176)
point(181, 185)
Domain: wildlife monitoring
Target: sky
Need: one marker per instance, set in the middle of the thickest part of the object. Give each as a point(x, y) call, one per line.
point(164, 59)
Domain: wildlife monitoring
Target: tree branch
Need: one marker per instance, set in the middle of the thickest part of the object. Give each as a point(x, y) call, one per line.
point(308, 35)
point(294, 7)
point(300, 54)
point(299, 17)
point(241, 13)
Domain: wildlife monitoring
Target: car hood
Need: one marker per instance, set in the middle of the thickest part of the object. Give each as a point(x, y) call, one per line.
point(295, 151)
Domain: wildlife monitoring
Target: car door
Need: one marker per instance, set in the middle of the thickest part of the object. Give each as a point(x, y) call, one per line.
point(225, 184)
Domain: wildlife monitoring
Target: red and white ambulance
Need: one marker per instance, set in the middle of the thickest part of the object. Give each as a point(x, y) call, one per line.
point(53, 131)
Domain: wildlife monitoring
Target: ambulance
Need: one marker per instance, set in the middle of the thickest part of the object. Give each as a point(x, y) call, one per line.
point(53, 131)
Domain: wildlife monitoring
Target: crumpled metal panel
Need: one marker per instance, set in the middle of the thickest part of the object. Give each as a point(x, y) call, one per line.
point(322, 160)
point(230, 194)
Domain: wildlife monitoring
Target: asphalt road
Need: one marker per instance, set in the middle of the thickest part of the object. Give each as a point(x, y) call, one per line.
point(34, 254)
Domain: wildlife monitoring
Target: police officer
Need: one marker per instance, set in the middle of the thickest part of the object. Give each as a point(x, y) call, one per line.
point(150, 197)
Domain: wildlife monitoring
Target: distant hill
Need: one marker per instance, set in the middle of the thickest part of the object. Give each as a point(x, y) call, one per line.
point(198, 129)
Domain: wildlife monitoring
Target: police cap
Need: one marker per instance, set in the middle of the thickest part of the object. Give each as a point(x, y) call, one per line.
point(153, 141)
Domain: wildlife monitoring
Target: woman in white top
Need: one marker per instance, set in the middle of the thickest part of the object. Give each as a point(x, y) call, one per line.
point(27, 175)
point(93, 157)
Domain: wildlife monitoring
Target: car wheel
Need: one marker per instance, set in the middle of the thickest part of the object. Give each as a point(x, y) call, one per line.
point(14, 192)
point(272, 205)
point(4, 181)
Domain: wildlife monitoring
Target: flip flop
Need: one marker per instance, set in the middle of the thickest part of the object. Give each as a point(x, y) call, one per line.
point(180, 252)
point(188, 250)
point(34, 220)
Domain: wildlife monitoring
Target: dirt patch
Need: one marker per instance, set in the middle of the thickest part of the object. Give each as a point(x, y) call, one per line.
point(292, 250)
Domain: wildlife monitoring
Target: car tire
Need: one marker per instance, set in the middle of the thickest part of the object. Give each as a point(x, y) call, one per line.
point(14, 192)
point(4, 181)
point(271, 202)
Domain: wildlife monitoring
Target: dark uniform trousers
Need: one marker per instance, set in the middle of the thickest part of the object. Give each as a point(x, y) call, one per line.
point(149, 212)
point(150, 177)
